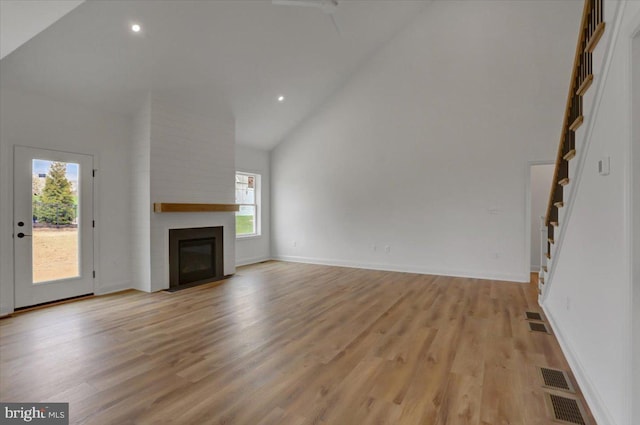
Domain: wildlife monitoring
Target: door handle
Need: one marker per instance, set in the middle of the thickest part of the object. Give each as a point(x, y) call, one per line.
point(22, 235)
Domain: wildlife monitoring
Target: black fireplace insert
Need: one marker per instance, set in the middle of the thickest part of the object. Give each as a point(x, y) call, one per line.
point(195, 256)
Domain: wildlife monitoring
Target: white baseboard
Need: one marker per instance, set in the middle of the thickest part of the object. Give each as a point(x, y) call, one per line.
point(113, 288)
point(508, 277)
point(247, 261)
point(591, 395)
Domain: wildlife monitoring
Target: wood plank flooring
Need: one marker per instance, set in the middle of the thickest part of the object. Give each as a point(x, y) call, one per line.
point(283, 343)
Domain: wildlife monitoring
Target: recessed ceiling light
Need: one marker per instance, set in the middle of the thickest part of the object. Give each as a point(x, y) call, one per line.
point(280, 98)
point(136, 28)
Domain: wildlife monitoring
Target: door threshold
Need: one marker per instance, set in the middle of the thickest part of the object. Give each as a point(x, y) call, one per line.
point(53, 303)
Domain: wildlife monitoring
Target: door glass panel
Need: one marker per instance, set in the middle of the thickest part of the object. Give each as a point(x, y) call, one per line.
point(55, 216)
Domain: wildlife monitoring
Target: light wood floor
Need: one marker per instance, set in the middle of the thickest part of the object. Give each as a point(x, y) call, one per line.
point(284, 343)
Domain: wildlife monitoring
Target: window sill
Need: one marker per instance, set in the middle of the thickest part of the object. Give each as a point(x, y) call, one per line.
point(247, 237)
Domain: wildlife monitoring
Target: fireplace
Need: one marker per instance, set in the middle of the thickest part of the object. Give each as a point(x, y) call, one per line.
point(195, 256)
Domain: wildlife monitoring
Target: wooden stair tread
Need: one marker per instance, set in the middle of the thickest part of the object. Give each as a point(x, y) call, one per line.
point(576, 123)
point(559, 204)
point(595, 38)
point(570, 155)
point(585, 85)
point(551, 240)
point(554, 223)
point(564, 181)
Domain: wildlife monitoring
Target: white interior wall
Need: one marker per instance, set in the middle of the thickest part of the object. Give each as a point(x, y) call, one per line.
point(31, 120)
point(255, 249)
point(425, 150)
point(636, 226)
point(6, 221)
point(140, 164)
point(589, 297)
point(540, 178)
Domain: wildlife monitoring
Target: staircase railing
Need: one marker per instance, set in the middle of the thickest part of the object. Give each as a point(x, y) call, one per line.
point(591, 30)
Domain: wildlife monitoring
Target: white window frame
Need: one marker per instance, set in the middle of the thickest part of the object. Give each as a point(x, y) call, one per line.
point(258, 200)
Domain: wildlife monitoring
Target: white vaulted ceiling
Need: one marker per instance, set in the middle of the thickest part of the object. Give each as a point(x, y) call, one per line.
point(246, 51)
point(20, 20)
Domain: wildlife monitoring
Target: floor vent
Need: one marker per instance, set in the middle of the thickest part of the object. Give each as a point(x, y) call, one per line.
point(565, 410)
point(533, 315)
point(538, 327)
point(556, 379)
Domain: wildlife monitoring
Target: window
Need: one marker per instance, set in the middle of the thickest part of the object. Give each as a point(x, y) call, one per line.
point(248, 197)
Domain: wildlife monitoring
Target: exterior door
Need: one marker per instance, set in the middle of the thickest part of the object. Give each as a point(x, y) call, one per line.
point(53, 225)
